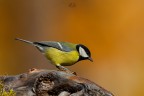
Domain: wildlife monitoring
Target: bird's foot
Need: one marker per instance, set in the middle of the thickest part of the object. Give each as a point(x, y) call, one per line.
point(61, 68)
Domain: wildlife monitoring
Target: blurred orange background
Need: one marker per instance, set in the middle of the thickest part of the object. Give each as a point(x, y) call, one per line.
point(112, 29)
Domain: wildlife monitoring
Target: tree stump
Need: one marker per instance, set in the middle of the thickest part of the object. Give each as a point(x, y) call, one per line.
point(40, 82)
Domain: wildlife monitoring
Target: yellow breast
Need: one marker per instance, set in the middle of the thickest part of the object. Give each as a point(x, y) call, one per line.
point(59, 57)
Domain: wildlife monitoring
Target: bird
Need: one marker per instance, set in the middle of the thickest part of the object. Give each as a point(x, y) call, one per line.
point(61, 54)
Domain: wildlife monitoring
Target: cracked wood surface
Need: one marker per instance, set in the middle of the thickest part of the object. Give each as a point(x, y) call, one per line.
point(40, 82)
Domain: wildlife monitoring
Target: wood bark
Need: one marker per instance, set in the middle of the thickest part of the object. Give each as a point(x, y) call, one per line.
point(40, 82)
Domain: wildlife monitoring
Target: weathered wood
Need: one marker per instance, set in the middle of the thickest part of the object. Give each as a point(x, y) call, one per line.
point(52, 83)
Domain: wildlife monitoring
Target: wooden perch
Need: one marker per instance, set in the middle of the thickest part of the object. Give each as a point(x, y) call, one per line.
point(52, 83)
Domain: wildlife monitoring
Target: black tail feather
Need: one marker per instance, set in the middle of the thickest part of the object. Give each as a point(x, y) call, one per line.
point(26, 41)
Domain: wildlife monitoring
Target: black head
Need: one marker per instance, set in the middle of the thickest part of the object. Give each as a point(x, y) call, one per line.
point(84, 52)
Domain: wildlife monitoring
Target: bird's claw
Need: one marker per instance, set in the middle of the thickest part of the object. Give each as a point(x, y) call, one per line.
point(61, 68)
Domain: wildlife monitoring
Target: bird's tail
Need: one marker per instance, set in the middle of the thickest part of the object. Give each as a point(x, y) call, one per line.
point(26, 41)
point(32, 43)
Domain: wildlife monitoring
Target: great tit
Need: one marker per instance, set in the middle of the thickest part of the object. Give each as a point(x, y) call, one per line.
point(61, 53)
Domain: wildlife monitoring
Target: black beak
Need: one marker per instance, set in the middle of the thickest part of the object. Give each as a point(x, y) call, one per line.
point(90, 59)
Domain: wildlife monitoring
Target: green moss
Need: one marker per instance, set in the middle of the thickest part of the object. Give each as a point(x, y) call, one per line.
point(4, 92)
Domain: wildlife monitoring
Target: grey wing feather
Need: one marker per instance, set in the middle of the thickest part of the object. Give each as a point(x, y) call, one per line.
point(57, 45)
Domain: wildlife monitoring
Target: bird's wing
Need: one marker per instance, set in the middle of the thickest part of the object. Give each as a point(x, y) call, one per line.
point(63, 46)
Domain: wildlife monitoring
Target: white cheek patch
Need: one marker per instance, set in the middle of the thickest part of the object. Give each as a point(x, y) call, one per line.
point(82, 52)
